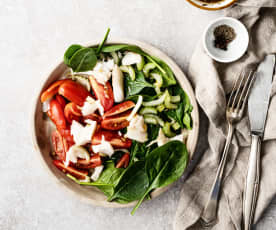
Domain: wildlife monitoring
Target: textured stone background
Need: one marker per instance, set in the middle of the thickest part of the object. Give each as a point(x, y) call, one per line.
point(34, 35)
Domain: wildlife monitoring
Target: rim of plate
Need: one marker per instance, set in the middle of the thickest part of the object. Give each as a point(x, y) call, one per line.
point(211, 6)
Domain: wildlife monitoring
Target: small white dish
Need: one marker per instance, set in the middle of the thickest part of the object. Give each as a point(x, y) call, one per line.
point(212, 5)
point(235, 49)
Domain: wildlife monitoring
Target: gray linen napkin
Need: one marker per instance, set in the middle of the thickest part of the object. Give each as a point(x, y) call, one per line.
point(212, 81)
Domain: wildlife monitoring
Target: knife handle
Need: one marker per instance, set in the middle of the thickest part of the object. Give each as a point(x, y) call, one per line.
point(252, 182)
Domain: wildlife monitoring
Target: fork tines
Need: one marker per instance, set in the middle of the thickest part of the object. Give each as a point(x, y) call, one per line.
point(240, 91)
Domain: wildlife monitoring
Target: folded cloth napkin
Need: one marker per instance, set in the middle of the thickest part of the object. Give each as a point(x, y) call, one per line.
point(212, 81)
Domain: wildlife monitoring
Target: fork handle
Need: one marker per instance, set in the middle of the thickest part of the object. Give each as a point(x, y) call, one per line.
point(252, 182)
point(209, 215)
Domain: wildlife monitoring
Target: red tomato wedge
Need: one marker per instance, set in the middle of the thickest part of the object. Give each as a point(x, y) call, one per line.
point(103, 92)
point(58, 144)
point(80, 174)
point(61, 101)
point(94, 162)
point(66, 133)
point(61, 144)
point(116, 122)
point(113, 137)
point(72, 112)
point(93, 117)
point(120, 108)
point(56, 114)
point(52, 90)
point(124, 161)
point(74, 92)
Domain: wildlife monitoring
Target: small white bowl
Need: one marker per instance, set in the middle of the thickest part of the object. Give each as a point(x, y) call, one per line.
point(235, 49)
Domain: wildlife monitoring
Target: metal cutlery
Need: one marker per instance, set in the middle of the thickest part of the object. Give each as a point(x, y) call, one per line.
point(257, 109)
point(234, 112)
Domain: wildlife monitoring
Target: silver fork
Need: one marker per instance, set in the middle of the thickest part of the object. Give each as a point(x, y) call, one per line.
point(234, 112)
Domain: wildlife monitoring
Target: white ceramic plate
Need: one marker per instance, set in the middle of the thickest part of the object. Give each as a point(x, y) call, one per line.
point(41, 130)
point(236, 48)
point(212, 6)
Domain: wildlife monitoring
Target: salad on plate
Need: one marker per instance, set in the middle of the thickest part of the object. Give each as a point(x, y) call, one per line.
point(121, 121)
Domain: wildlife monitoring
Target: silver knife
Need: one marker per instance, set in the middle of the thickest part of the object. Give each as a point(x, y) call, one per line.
point(257, 109)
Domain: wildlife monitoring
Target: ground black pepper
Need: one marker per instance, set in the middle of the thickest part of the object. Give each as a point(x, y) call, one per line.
point(224, 34)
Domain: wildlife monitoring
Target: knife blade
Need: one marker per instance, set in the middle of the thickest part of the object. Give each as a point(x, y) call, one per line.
point(258, 103)
point(258, 100)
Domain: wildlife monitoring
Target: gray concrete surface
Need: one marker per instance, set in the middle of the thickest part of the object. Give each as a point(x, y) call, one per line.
point(34, 35)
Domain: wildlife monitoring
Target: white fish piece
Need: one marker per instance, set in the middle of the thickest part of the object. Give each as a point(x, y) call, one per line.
point(102, 71)
point(74, 153)
point(105, 147)
point(137, 129)
point(90, 106)
point(118, 84)
point(131, 58)
point(97, 172)
point(110, 64)
point(136, 108)
point(162, 139)
point(83, 134)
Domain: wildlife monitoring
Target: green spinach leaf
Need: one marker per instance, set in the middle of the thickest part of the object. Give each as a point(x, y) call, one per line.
point(136, 86)
point(117, 156)
point(187, 120)
point(87, 183)
point(183, 112)
point(99, 49)
point(164, 165)
point(110, 175)
point(188, 105)
point(134, 98)
point(83, 60)
point(177, 114)
point(70, 52)
point(133, 183)
point(164, 70)
point(122, 47)
point(153, 131)
point(138, 151)
point(149, 91)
